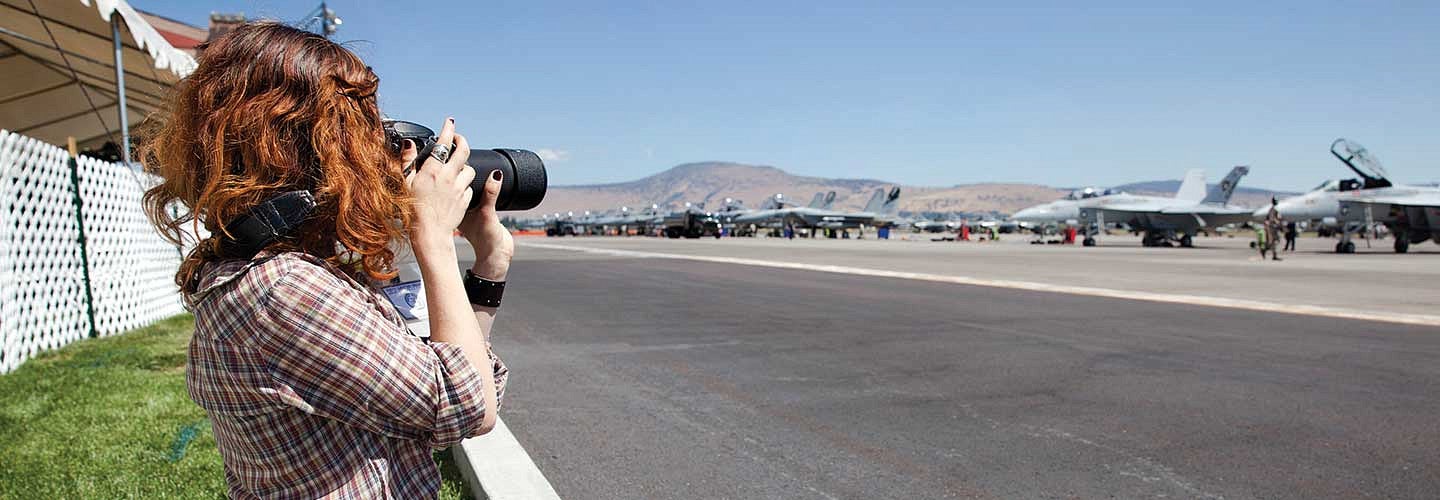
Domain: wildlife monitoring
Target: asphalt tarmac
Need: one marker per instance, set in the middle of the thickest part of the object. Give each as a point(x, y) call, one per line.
point(1376, 280)
point(661, 378)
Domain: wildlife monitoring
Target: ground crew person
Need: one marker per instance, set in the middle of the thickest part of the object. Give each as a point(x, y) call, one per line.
point(1260, 240)
point(1271, 230)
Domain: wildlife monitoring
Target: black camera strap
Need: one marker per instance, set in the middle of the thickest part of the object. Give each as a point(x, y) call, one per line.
point(268, 222)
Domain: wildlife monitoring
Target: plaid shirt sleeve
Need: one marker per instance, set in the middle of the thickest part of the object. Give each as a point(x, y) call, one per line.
point(333, 354)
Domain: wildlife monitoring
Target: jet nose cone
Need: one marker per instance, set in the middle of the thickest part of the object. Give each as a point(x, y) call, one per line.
point(1261, 213)
point(1026, 214)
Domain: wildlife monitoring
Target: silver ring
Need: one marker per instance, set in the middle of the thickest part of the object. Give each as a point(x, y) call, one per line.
point(441, 152)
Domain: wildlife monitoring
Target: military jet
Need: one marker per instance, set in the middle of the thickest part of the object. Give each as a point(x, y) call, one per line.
point(1412, 213)
point(611, 220)
point(1067, 210)
point(1163, 220)
point(880, 211)
point(934, 225)
point(625, 219)
point(1062, 211)
point(823, 201)
point(775, 213)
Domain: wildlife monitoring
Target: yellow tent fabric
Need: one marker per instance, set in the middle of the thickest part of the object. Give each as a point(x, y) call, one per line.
point(39, 95)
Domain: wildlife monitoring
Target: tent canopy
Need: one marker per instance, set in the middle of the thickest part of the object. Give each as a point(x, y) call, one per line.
point(40, 96)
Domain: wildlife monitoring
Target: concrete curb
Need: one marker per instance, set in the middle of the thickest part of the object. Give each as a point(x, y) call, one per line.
point(497, 468)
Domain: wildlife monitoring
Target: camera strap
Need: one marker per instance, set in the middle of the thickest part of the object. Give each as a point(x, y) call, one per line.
point(268, 222)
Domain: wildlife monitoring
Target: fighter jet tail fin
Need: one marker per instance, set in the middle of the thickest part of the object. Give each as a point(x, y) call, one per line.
point(817, 201)
point(1192, 189)
point(892, 202)
point(876, 201)
point(1220, 193)
point(772, 202)
point(829, 201)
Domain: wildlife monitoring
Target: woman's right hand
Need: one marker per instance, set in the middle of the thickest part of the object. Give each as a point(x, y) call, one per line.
point(442, 195)
point(441, 190)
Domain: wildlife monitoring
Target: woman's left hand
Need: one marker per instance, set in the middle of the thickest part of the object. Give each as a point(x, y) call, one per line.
point(494, 247)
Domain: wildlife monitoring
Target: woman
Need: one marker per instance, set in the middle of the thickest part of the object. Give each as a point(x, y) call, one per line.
point(312, 383)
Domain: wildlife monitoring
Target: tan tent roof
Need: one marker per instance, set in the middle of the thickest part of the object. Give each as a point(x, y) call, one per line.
point(41, 97)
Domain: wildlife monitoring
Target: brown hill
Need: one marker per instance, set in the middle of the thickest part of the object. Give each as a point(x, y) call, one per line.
point(712, 182)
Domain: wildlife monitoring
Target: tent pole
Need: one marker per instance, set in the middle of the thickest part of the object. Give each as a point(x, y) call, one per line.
point(120, 89)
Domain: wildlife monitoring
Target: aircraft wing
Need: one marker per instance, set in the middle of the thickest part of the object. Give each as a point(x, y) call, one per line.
point(1212, 216)
point(1118, 215)
point(1186, 218)
point(1207, 210)
point(1114, 214)
point(1413, 199)
point(1416, 208)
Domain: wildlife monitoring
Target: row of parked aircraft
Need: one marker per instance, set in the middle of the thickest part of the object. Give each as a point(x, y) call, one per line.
point(1411, 213)
point(777, 213)
point(1347, 206)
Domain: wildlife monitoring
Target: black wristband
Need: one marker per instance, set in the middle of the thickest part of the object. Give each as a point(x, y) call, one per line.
point(483, 292)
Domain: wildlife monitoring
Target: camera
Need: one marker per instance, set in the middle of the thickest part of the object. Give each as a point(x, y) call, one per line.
point(523, 180)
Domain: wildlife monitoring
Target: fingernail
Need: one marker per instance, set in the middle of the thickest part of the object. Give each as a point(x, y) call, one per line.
point(496, 175)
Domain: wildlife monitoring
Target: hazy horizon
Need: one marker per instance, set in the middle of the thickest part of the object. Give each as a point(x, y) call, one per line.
point(1211, 178)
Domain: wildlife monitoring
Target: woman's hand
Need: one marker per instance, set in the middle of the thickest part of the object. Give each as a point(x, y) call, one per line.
point(441, 190)
point(442, 194)
point(494, 247)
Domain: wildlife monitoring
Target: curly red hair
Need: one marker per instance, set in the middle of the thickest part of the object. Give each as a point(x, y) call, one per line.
point(272, 109)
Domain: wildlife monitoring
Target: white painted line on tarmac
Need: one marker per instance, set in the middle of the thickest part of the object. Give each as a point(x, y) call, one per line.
point(1174, 298)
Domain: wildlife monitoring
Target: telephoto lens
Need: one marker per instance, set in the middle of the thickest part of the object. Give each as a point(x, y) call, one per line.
point(523, 180)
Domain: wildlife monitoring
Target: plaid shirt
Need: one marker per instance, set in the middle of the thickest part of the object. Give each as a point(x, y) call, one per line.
point(315, 388)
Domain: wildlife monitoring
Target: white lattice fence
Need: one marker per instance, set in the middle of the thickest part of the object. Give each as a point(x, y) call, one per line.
point(42, 273)
point(132, 269)
point(42, 284)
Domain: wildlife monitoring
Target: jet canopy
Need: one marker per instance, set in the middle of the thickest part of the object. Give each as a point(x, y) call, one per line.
point(1087, 193)
point(1339, 185)
point(1355, 156)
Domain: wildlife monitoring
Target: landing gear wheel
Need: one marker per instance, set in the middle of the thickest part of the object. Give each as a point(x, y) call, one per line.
point(1154, 240)
point(1187, 241)
point(672, 233)
point(1345, 247)
point(1088, 241)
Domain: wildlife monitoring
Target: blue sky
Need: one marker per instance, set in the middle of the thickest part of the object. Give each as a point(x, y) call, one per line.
point(929, 93)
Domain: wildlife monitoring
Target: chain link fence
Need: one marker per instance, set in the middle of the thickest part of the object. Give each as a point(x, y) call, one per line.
point(78, 258)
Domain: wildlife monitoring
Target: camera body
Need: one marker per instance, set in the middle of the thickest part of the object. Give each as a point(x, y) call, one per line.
point(523, 182)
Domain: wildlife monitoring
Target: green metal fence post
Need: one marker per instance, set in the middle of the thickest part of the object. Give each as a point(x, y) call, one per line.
point(80, 224)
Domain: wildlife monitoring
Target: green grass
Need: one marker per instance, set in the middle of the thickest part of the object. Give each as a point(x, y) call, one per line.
point(110, 418)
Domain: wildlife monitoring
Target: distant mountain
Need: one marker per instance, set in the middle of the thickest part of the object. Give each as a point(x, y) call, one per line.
point(712, 182)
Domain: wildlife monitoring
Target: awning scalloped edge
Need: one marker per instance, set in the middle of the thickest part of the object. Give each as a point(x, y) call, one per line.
point(166, 56)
